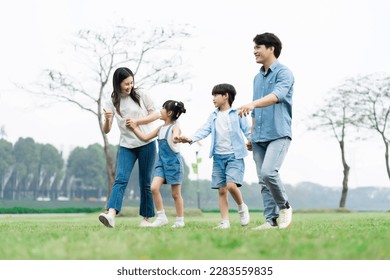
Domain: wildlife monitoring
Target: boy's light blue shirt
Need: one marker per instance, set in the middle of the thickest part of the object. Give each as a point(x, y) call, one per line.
point(237, 126)
point(274, 121)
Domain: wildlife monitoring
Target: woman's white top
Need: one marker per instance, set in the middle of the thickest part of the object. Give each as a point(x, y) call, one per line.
point(130, 109)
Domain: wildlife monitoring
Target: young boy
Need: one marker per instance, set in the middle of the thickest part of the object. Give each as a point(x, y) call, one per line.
point(228, 150)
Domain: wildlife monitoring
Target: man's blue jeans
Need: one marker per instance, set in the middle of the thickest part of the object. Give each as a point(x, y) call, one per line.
point(269, 157)
point(146, 156)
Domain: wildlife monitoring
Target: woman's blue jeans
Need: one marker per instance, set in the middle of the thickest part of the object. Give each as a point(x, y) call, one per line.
point(146, 156)
point(269, 157)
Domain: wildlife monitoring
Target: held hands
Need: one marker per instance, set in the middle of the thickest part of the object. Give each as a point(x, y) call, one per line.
point(249, 146)
point(131, 123)
point(183, 139)
point(176, 139)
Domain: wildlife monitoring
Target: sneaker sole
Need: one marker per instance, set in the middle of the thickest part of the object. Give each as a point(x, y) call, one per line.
point(270, 228)
point(161, 225)
point(105, 222)
point(284, 227)
point(222, 228)
point(177, 226)
point(145, 225)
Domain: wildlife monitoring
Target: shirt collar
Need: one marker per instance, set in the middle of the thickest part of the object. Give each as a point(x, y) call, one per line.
point(230, 110)
point(271, 68)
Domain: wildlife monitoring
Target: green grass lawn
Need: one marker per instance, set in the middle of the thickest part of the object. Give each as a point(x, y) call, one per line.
point(313, 236)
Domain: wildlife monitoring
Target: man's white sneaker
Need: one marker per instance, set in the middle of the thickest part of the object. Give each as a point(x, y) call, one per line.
point(160, 221)
point(285, 217)
point(178, 224)
point(223, 225)
point(145, 223)
point(107, 220)
point(265, 226)
point(244, 215)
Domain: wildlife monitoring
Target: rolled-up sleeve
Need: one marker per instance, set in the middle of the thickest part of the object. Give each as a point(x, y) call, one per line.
point(150, 106)
point(284, 82)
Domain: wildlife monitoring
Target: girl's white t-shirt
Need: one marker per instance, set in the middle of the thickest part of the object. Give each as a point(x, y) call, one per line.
point(161, 134)
point(130, 109)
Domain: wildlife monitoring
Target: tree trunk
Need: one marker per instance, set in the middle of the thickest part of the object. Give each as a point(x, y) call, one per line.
point(386, 155)
point(109, 166)
point(345, 177)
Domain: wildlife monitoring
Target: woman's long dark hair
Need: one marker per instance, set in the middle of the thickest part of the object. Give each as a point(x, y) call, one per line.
point(119, 75)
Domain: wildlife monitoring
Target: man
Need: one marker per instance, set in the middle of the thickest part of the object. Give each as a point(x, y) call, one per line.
point(271, 128)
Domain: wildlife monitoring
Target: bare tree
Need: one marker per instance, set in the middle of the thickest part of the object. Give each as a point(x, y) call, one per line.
point(335, 116)
point(154, 54)
point(373, 96)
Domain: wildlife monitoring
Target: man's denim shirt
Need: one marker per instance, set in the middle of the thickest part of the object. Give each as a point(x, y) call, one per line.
point(274, 121)
point(237, 126)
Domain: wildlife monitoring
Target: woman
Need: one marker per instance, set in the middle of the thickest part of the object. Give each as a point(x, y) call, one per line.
point(130, 107)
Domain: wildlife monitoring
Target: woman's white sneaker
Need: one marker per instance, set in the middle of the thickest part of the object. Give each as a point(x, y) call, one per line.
point(107, 220)
point(145, 223)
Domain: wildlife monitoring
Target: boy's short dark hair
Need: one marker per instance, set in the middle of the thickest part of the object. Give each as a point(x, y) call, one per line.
point(225, 89)
point(269, 40)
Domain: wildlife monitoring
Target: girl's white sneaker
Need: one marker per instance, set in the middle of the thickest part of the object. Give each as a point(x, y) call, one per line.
point(178, 225)
point(160, 221)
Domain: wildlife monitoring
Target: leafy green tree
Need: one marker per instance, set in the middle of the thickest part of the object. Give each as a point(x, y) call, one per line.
point(27, 158)
point(50, 170)
point(3, 133)
point(6, 162)
point(86, 165)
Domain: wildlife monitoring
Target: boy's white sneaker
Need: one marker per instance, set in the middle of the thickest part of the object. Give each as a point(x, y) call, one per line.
point(223, 225)
point(160, 221)
point(285, 217)
point(107, 220)
point(244, 215)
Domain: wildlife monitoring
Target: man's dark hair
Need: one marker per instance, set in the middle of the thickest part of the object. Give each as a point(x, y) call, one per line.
point(269, 40)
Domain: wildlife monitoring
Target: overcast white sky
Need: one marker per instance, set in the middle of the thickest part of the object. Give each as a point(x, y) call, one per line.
point(323, 43)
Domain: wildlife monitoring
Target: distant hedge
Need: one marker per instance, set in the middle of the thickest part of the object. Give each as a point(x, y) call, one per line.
point(24, 210)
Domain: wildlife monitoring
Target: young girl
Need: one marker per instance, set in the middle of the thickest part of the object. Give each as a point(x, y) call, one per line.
point(169, 167)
